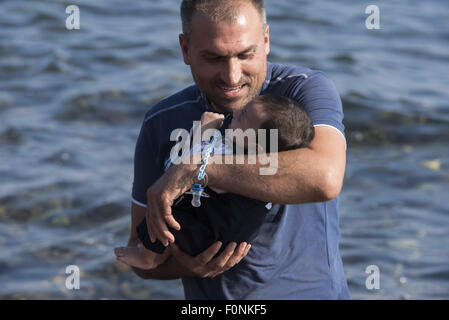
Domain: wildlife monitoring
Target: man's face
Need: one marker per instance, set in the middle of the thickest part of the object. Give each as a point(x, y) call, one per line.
point(228, 60)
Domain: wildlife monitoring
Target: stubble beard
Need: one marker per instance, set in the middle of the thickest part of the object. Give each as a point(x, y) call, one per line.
point(227, 107)
point(231, 106)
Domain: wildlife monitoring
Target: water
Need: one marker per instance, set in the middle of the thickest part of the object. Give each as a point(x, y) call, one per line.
point(71, 105)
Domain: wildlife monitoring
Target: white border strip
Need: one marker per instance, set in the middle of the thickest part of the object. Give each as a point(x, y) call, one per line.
point(173, 107)
point(329, 126)
point(285, 78)
point(138, 203)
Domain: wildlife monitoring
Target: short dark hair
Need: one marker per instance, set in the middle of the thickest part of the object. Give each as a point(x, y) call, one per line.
point(295, 128)
point(216, 9)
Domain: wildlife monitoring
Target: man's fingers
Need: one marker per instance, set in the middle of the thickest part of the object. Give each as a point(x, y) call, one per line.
point(164, 235)
point(159, 230)
point(244, 251)
point(223, 258)
point(206, 256)
point(247, 250)
point(167, 217)
point(170, 238)
point(204, 265)
point(156, 226)
point(171, 220)
point(159, 226)
point(153, 226)
point(152, 231)
point(149, 226)
point(241, 250)
point(239, 253)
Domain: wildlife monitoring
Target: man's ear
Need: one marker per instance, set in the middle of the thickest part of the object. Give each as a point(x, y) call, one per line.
point(184, 48)
point(267, 39)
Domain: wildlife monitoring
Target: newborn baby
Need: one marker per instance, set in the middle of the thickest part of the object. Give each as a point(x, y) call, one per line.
point(226, 217)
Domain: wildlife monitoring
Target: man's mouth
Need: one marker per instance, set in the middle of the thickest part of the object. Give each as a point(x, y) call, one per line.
point(232, 91)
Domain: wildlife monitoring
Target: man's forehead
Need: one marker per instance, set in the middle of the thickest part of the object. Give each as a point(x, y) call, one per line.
point(245, 27)
point(226, 40)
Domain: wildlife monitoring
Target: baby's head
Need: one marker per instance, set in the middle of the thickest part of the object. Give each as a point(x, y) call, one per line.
point(268, 111)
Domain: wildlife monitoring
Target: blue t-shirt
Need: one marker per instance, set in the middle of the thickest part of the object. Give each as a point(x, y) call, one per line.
point(295, 253)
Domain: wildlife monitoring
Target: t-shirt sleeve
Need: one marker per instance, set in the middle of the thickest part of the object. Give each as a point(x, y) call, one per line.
point(145, 168)
point(319, 96)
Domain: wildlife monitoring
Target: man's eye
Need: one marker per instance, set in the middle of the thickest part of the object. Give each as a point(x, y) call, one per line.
point(246, 56)
point(213, 59)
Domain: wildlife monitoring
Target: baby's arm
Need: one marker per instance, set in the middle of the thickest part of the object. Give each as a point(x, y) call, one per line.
point(211, 120)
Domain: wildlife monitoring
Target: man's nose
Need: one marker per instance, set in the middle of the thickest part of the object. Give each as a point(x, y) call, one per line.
point(232, 73)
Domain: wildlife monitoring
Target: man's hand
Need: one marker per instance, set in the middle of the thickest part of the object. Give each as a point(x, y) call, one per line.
point(205, 265)
point(160, 197)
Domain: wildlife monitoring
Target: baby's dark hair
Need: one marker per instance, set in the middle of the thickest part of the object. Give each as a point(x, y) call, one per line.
point(295, 128)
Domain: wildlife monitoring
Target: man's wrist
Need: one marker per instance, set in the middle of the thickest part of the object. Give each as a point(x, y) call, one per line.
point(189, 169)
point(191, 165)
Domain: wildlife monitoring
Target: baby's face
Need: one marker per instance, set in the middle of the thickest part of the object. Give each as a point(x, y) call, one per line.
point(249, 117)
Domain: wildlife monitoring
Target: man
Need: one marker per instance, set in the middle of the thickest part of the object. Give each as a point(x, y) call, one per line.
point(295, 253)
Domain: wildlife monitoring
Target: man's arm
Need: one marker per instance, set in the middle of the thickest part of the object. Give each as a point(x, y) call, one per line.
point(180, 265)
point(312, 174)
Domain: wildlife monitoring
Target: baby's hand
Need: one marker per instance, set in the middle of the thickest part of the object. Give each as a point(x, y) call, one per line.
point(211, 120)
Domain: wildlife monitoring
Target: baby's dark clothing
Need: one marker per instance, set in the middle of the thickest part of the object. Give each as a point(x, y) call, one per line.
point(223, 217)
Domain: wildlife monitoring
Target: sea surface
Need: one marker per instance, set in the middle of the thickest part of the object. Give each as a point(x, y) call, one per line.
point(72, 103)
